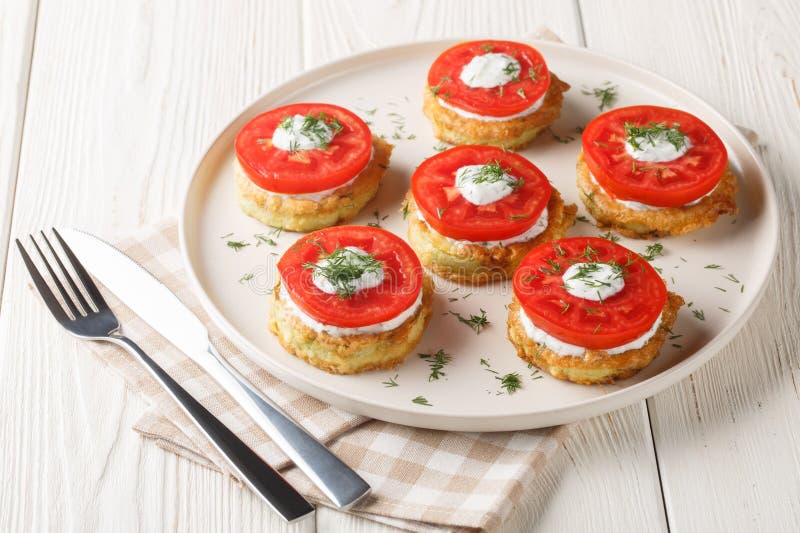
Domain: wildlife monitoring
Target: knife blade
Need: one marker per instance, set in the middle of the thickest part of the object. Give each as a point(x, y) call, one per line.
point(154, 303)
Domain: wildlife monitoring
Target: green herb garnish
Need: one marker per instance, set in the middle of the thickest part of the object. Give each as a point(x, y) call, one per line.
point(342, 267)
point(638, 135)
point(605, 94)
point(653, 250)
point(610, 236)
point(563, 140)
point(378, 219)
point(421, 401)
point(391, 382)
point(237, 245)
point(510, 382)
point(512, 69)
point(436, 362)
point(491, 173)
point(476, 322)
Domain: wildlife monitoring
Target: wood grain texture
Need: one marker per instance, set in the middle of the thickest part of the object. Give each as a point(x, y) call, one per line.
point(123, 98)
point(728, 437)
point(17, 30)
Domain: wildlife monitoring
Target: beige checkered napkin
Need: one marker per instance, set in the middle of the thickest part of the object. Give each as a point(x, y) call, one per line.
point(421, 479)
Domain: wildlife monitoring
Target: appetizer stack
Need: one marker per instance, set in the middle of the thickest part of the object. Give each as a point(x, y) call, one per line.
point(350, 299)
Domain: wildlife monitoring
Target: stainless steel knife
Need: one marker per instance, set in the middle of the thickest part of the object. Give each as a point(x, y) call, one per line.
point(163, 311)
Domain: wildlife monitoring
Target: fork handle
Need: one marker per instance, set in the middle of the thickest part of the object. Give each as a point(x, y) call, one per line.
point(249, 467)
point(330, 474)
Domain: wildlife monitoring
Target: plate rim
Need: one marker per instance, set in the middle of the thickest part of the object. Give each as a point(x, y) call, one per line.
point(484, 422)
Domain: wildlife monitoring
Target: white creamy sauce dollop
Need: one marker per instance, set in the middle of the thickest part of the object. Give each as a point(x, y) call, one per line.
point(482, 192)
point(490, 70)
point(657, 150)
point(540, 336)
point(593, 281)
point(351, 256)
point(294, 133)
point(335, 331)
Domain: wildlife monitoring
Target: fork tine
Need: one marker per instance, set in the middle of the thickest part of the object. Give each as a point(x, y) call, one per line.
point(68, 276)
point(86, 279)
point(64, 294)
point(41, 285)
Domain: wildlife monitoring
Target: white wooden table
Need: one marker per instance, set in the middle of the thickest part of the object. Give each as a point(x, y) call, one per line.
point(105, 107)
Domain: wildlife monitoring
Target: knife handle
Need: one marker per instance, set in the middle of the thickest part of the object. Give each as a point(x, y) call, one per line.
point(249, 467)
point(340, 483)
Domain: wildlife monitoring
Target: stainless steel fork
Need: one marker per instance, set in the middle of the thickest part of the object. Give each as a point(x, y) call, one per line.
point(89, 317)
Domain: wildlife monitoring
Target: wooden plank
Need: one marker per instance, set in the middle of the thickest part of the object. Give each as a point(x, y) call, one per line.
point(17, 30)
point(341, 28)
point(123, 98)
point(728, 437)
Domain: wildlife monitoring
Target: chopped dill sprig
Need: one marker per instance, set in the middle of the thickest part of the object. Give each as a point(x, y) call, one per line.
point(404, 211)
point(226, 235)
point(518, 217)
point(606, 95)
point(436, 362)
point(582, 218)
point(476, 322)
point(555, 268)
point(342, 267)
point(610, 236)
point(637, 135)
point(512, 69)
point(440, 147)
point(510, 382)
point(237, 245)
point(489, 368)
point(269, 238)
point(713, 267)
point(559, 139)
point(490, 173)
point(246, 277)
point(440, 211)
point(731, 277)
point(378, 219)
point(391, 382)
point(698, 314)
point(652, 251)
point(421, 401)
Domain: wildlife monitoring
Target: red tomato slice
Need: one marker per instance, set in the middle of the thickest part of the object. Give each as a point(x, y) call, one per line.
point(303, 171)
point(449, 213)
point(399, 290)
point(509, 99)
point(666, 184)
point(619, 319)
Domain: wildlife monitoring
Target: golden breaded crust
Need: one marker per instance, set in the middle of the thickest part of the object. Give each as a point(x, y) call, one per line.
point(307, 215)
point(595, 366)
point(475, 264)
point(355, 353)
point(659, 222)
point(451, 127)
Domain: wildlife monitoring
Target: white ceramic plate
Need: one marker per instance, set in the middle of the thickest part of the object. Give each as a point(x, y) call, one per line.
point(384, 87)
